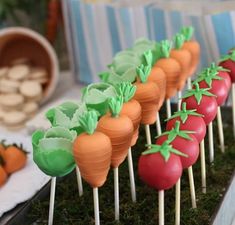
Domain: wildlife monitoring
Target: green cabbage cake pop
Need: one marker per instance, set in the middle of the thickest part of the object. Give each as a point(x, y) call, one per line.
point(96, 96)
point(67, 115)
point(52, 151)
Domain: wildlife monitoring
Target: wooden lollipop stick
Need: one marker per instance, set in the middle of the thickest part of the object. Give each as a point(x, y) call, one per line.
point(79, 181)
point(52, 201)
point(211, 143)
point(177, 202)
point(168, 108)
point(203, 166)
point(220, 129)
point(116, 193)
point(179, 99)
point(148, 134)
point(131, 174)
point(161, 207)
point(233, 107)
point(192, 187)
point(189, 85)
point(158, 125)
point(96, 206)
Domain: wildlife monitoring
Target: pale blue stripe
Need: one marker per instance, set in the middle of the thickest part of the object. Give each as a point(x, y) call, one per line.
point(113, 29)
point(176, 21)
point(199, 37)
point(91, 30)
point(159, 24)
point(148, 19)
point(126, 24)
point(224, 32)
point(84, 69)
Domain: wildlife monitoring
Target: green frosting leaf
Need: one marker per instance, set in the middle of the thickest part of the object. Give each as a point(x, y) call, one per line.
point(89, 121)
point(187, 32)
point(148, 56)
point(165, 150)
point(126, 90)
point(176, 132)
point(208, 76)
point(214, 67)
point(115, 105)
point(164, 49)
point(230, 56)
point(143, 72)
point(179, 40)
point(60, 132)
point(50, 144)
point(184, 113)
point(198, 93)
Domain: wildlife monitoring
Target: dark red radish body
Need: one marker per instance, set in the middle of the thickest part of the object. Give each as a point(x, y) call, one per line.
point(160, 169)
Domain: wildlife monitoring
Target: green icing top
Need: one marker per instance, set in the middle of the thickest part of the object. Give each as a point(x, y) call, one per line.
point(88, 121)
point(230, 56)
point(126, 90)
point(184, 113)
point(165, 150)
point(112, 77)
point(143, 72)
point(66, 115)
point(215, 68)
point(96, 96)
point(179, 40)
point(198, 93)
point(208, 76)
point(187, 32)
point(176, 132)
point(164, 49)
point(115, 105)
point(52, 151)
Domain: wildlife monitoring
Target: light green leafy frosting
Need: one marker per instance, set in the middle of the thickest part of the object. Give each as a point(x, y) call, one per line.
point(97, 95)
point(52, 150)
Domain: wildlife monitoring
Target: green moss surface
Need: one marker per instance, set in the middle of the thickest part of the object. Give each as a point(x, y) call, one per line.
point(72, 209)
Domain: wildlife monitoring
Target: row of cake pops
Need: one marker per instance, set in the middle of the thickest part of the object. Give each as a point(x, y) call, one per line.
point(74, 125)
point(97, 96)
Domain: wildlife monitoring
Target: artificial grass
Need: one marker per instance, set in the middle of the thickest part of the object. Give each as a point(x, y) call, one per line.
point(70, 209)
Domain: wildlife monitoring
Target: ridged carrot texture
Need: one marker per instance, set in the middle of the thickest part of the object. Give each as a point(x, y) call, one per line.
point(157, 75)
point(183, 57)
point(171, 68)
point(118, 128)
point(131, 107)
point(192, 46)
point(92, 151)
point(147, 94)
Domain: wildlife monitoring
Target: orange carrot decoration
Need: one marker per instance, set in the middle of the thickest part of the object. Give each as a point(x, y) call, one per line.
point(157, 75)
point(92, 151)
point(147, 94)
point(183, 57)
point(131, 107)
point(119, 128)
point(14, 158)
point(3, 174)
point(192, 46)
point(171, 68)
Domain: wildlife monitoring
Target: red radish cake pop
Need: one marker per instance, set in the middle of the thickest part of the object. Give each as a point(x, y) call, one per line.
point(184, 141)
point(160, 167)
point(203, 101)
point(228, 62)
point(217, 85)
point(189, 120)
